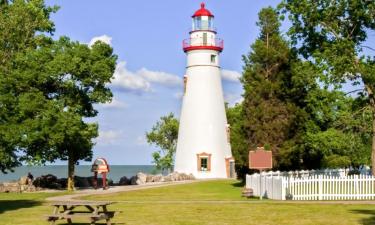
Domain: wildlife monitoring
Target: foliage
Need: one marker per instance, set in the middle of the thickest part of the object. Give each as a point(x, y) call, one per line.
point(271, 109)
point(331, 34)
point(290, 105)
point(164, 135)
point(48, 87)
point(238, 142)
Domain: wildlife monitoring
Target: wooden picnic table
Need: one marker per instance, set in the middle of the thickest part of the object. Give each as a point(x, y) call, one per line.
point(94, 210)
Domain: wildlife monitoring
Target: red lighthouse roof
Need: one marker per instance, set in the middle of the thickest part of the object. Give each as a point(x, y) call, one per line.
point(202, 12)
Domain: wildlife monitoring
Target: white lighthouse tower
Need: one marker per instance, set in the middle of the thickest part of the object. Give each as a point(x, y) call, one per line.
point(203, 147)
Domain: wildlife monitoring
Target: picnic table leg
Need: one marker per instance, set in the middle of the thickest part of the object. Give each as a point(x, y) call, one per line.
point(55, 211)
point(68, 220)
point(108, 220)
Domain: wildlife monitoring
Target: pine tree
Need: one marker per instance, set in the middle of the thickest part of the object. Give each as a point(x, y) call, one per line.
point(269, 112)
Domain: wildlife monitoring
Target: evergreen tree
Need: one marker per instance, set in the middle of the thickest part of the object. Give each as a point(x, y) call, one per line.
point(269, 111)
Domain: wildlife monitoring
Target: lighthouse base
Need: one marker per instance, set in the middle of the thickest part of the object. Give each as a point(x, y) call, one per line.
point(207, 168)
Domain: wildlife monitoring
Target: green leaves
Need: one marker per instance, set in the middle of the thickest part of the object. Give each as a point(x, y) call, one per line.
point(47, 88)
point(164, 135)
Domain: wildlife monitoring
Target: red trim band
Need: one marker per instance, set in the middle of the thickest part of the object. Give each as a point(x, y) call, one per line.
point(190, 48)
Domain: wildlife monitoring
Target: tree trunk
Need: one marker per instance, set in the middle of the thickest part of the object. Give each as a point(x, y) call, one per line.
point(372, 104)
point(373, 143)
point(71, 167)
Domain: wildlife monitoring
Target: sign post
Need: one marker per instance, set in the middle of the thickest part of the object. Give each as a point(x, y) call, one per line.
point(260, 159)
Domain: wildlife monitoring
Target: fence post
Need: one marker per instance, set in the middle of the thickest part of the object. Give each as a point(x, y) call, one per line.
point(320, 187)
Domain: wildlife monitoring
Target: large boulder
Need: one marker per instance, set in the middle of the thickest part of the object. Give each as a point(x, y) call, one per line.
point(124, 181)
point(175, 176)
point(82, 182)
point(47, 181)
point(155, 178)
point(23, 180)
point(138, 179)
point(10, 187)
point(63, 182)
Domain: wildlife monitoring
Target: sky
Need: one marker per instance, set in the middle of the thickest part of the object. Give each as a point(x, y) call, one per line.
point(147, 37)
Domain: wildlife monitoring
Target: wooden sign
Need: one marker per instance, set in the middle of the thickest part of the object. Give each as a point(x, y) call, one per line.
point(260, 159)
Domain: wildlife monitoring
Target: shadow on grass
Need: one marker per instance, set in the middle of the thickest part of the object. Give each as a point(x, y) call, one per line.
point(96, 223)
point(370, 220)
point(9, 205)
point(239, 184)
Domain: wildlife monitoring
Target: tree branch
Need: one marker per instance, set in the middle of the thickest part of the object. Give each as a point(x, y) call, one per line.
point(354, 91)
point(365, 46)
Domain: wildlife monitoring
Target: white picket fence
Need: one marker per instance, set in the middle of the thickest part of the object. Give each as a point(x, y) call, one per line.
point(308, 173)
point(316, 187)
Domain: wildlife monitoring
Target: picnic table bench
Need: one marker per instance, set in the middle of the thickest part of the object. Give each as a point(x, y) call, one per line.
point(94, 211)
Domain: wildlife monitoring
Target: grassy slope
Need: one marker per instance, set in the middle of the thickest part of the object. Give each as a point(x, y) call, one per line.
point(178, 205)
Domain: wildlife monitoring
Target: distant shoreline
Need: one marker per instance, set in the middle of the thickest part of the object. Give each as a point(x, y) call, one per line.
point(60, 171)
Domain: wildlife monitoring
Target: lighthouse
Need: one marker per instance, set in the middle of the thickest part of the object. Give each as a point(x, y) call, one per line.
point(203, 146)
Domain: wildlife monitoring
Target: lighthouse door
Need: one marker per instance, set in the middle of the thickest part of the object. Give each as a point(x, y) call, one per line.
point(204, 39)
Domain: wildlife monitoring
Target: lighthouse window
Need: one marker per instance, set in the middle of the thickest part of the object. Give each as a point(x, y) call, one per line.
point(204, 164)
point(213, 58)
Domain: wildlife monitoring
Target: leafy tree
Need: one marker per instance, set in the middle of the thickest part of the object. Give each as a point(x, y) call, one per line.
point(331, 34)
point(22, 27)
point(238, 141)
point(164, 135)
point(48, 87)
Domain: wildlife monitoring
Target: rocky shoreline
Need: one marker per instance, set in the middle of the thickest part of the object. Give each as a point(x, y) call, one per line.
point(49, 181)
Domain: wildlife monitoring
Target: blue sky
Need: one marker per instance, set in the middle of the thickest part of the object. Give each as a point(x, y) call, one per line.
point(147, 37)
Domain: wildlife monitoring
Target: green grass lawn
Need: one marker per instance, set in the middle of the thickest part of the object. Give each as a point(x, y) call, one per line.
point(207, 203)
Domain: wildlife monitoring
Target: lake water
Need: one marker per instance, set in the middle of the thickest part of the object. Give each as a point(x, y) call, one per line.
point(117, 171)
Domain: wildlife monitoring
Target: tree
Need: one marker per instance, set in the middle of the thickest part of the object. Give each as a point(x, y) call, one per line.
point(238, 141)
point(48, 87)
point(270, 105)
point(331, 34)
point(164, 135)
point(23, 27)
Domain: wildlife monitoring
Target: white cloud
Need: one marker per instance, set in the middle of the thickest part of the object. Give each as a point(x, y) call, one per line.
point(114, 104)
point(104, 38)
point(230, 75)
point(160, 77)
point(141, 80)
point(109, 136)
point(128, 80)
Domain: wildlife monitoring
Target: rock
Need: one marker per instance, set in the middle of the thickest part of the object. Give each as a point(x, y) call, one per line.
point(124, 181)
point(23, 180)
point(175, 176)
point(82, 182)
point(10, 187)
point(157, 178)
point(63, 182)
point(47, 181)
point(140, 178)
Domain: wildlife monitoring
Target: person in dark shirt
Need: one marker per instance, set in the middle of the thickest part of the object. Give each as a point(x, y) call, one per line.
point(30, 178)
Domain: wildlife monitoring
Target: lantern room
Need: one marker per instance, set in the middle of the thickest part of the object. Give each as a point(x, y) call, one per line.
point(203, 19)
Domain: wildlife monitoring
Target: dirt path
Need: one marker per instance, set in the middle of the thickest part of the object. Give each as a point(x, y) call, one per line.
point(115, 189)
point(81, 193)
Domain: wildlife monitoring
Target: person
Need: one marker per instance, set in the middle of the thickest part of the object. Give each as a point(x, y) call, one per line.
point(30, 178)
